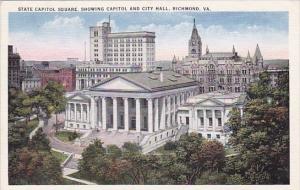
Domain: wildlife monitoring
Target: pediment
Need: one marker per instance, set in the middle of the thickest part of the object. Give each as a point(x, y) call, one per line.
point(210, 103)
point(79, 97)
point(118, 84)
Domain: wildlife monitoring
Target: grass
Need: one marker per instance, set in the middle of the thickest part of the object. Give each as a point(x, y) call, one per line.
point(66, 136)
point(60, 156)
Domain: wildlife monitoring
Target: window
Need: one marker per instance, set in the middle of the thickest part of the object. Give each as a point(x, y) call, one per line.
point(219, 122)
point(187, 121)
point(218, 136)
point(210, 121)
point(201, 121)
point(208, 136)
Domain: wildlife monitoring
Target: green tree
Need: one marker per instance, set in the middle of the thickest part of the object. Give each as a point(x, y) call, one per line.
point(262, 135)
point(17, 137)
point(39, 141)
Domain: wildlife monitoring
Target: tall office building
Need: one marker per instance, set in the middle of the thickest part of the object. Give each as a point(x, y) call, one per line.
point(122, 48)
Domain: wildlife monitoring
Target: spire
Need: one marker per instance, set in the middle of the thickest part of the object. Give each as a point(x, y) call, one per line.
point(109, 20)
point(195, 34)
point(207, 50)
point(248, 59)
point(233, 49)
point(194, 23)
point(257, 54)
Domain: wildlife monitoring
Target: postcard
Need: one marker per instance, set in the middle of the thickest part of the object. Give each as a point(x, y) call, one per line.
point(150, 94)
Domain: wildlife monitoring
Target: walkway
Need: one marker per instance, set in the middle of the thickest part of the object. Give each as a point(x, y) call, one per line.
point(57, 144)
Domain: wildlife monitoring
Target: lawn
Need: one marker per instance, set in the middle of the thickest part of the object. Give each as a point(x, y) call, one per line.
point(67, 136)
point(60, 156)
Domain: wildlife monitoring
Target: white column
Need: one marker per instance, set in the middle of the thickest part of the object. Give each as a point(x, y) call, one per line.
point(174, 110)
point(156, 121)
point(103, 112)
point(92, 113)
point(67, 112)
point(77, 85)
point(88, 116)
point(242, 112)
point(75, 107)
point(222, 119)
point(138, 114)
point(99, 112)
point(214, 120)
point(81, 113)
point(169, 111)
point(196, 120)
point(126, 115)
point(150, 115)
point(115, 113)
point(162, 115)
point(204, 120)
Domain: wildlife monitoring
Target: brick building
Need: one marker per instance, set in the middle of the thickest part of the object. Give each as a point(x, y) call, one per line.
point(65, 75)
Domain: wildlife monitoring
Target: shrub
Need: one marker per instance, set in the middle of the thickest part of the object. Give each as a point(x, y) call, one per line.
point(170, 145)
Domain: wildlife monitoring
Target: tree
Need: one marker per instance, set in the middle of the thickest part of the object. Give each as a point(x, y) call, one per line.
point(17, 137)
point(198, 156)
point(39, 141)
point(29, 166)
point(262, 135)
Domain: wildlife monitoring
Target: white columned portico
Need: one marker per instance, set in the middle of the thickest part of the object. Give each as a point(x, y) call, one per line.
point(138, 114)
point(150, 115)
point(92, 112)
point(126, 115)
point(156, 121)
point(103, 99)
point(115, 113)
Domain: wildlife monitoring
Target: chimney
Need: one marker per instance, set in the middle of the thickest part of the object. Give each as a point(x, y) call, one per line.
point(161, 77)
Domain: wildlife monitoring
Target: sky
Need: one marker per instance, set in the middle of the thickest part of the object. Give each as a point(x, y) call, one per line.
point(58, 36)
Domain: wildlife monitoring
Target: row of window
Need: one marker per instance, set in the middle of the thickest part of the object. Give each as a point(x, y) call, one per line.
point(222, 72)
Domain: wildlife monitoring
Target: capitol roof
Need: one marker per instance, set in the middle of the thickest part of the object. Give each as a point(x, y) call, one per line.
point(146, 82)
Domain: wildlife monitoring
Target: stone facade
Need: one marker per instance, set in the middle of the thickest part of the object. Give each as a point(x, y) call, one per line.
point(124, 48)
point(139, 102)
point(218, 70)
point(29, 84)
point(88, 74)
point(207, 113)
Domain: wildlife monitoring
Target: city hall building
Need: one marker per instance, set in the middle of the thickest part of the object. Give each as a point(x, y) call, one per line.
point(218, 70)
point(207, 113)
point(139, 102)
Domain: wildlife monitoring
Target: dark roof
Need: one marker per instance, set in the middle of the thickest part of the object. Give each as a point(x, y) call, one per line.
point(276, 64)
point(151, 82)
point(219, 54)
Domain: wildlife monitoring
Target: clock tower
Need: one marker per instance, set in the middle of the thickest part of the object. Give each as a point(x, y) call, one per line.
point(195, 44)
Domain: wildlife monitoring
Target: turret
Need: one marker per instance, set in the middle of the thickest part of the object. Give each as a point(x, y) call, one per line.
point(195, 44)
point(258, 58)
point(248, 59)
point(207, 50)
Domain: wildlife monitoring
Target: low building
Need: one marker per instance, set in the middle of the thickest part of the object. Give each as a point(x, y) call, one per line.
point(29, 84)
point(14, 74)
point(138, 102)
point(88, 74)
point(207, 114)
point(62, 75)
point(275, 68)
